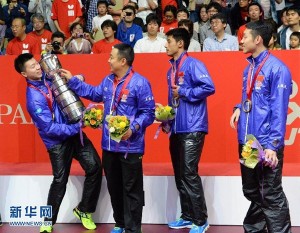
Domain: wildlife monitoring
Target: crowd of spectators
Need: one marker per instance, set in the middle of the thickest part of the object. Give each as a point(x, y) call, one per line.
point(94, 26)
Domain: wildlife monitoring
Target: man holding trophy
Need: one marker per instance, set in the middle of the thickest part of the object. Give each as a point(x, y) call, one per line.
point(59, 129)
point(125, 94)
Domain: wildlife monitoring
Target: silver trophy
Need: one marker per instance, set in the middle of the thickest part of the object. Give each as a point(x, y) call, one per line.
point(68, 102)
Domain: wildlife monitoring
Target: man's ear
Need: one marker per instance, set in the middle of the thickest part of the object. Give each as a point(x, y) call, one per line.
point(258, 40)
point(180, 44)
point(123, 61)
point(24, 74)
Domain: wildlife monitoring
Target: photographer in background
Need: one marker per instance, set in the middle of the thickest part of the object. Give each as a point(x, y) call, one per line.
point(57, 44)
point(79, 42)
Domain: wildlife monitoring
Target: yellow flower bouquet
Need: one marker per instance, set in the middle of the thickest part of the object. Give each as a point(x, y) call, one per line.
point(117, 126)
point(252, 153)
point(164, 113)
point(93, 117)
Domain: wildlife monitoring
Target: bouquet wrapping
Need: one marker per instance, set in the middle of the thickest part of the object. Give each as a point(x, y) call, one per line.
point(117, 126)
point(253, 153)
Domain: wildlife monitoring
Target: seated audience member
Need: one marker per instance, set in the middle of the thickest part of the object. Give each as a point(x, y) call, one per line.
point(128, 32)
point(284, 23)
point(255, 13)
point(57, 44)
point(40, 33)
point(221, 40)
point(15, 9)
point(79, 42)
point(182, 13)
point(22, 43)
point(2, 28)
point(189, 26)
point(295, 40)
point(239, 14)
point(43, 7)
point(206, 30)
point(273, 44)
point(293, 18)
point(151, 43)
point(137, 20)
point(203, 18)
point(109, 28)
point(169, 19)
point(224, 10)
point(102, 8)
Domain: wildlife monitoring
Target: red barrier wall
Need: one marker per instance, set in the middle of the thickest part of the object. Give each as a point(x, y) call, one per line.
point(20, 141)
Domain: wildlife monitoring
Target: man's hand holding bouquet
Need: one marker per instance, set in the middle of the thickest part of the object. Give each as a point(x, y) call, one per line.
point(118, 127)
point(164, 114)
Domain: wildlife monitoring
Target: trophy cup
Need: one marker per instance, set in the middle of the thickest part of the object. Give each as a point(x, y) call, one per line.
point(68, 102)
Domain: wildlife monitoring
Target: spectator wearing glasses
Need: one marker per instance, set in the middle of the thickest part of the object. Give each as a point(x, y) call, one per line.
point(40, 33)
point(15, 9)
point(128, 32)
point(221, 40)
point(206, 30)
point(169, 19)
point(43, 7)
point(22, 43)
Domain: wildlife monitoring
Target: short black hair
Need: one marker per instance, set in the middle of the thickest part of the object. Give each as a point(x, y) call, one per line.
point(262, 29)
point(215, 5)
point(180, 34)
point(109, 23)
point(129, 7)
point(219, 16)
point(73, 25)
point(136, 6)
point(189, 24)
point(20, 61)
point(183, 10)
point(255, 4)
point(171, 8)
point(293, 8)
point(102, 2)
point(297, 34)
point(58, 34)
point(125, 51)
point(153, 18)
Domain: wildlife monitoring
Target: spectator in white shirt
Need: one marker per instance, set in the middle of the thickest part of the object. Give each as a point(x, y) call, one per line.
point(151, 43)
point(189, 26)
point(102, 8)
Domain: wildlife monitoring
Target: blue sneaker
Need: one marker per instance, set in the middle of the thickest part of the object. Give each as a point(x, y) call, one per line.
point(199, 229)
point(180, 223)
point(117, 230)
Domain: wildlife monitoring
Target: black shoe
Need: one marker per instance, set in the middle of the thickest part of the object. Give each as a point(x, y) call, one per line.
point(0, 221)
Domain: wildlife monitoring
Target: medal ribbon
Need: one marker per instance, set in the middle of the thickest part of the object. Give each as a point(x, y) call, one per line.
point(251, 86)
point(47, 96)
point(127, 80)
point(174, 75)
